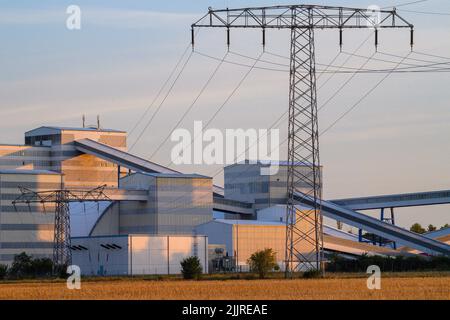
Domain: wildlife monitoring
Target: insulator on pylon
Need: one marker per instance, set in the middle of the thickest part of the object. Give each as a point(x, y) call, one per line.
point(376, 39)
point(264, 37)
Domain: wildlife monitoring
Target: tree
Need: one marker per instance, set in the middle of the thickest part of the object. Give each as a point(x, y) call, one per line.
point(417, 228)
point(41, 267)
point(3, 271)
point(25, 266)
point(21, 266)
point(445, 226)
point(191, 268)
point(431, 228)
point(262, 262)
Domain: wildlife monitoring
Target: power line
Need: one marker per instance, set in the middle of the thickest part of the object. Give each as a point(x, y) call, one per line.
point(242, 153)
point(360, 100)
point(225, 102)
point(191, 106)
point(427, 12)
point(345, 83)
point(287, 65)
point(431, 64)
point(285, 112)
point(431, 55)
point(240, 64)
point(333, 72)
point(405, 4)
point(273, 124)
point(159, 92)
point(209, 121)
point(351, 108)
point(261, 60)
point(411, 59)
point(162, 102)
point(334, 123)
point(345, 61)
point(410, 66)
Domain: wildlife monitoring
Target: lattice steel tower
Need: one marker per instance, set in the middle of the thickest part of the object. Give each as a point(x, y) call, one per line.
point(304, 241)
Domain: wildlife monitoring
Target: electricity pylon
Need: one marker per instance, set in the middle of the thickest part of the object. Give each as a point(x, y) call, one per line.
point(62, 255)
point(304, 234)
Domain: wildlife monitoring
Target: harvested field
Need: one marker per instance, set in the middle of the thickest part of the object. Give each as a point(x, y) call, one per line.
point(401, 287)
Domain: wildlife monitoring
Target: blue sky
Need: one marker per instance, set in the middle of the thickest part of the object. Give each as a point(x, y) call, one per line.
point(396, 141)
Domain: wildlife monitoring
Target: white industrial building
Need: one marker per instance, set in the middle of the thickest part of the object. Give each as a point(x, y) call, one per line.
point(137, 254)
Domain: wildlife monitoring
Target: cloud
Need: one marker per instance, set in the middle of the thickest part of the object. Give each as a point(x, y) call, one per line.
point(125, 18)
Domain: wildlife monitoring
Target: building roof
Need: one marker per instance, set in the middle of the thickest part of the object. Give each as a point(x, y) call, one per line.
point(20, 145)
point(267, 163)
point(173, 175)
point(150, 235)
point(90, 129)
point(250, 222)
point(20, 171)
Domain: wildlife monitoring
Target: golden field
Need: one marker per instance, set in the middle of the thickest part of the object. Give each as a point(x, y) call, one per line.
point(345, 287)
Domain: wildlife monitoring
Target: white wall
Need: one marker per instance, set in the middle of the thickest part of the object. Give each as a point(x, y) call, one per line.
point(98, 260)
point(139, 254)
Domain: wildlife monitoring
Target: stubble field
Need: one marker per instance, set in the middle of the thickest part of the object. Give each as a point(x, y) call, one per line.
point(345, 287)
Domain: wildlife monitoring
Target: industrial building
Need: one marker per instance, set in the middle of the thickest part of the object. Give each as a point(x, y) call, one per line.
point(155, 216)
point(28, 229)
point(247, 182)
point(137, 254)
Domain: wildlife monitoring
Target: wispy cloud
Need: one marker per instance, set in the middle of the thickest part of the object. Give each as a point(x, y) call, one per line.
point(127, 18)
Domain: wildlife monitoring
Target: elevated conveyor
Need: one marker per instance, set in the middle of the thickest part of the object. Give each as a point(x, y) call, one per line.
point(396, 200)
point(378, 227)
point(125, 159)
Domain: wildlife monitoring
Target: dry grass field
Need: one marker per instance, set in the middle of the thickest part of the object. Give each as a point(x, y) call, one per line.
point(345, 287)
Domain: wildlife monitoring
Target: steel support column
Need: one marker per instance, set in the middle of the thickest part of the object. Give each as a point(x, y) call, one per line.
point(304, 224)
point(62, 255)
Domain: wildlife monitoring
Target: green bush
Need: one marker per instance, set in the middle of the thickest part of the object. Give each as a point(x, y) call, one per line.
point(41, 267)
point(262, 262)
point(24, 266)
point(3, 271)
point(191, 268)
point(417, 228)
point(21, 266)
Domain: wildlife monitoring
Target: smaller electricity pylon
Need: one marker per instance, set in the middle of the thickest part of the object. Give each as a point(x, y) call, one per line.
point(62, 255)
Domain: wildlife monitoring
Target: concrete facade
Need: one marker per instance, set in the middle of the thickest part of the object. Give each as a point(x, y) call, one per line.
point(242, 238)
point(29, 229)
point(244, 182)
point(177, 204)
point(80, 170)
point(25, 157)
